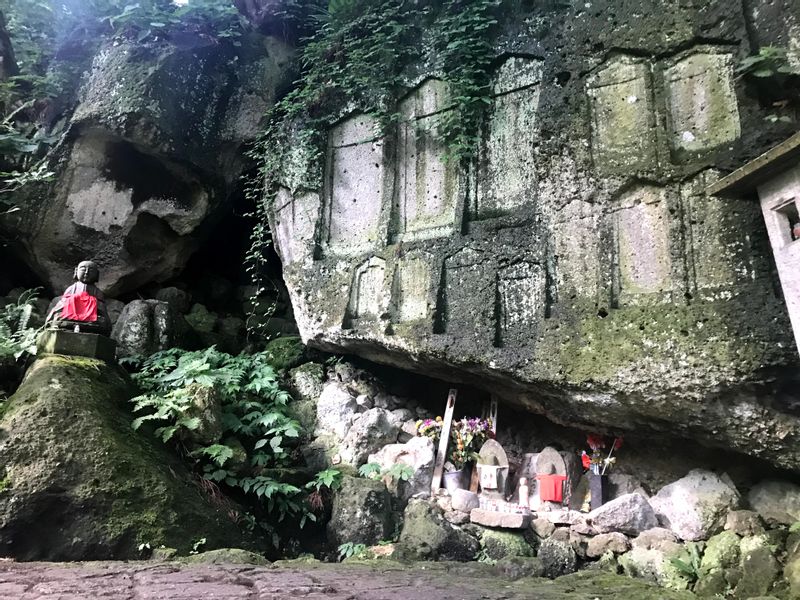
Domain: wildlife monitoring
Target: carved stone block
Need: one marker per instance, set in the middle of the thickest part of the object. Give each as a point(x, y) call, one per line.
point(506, 173)
point(702, 109)
point(427, 185)
point(642, 228)
point(623, 122)
point(355, 187)
point(295, 223)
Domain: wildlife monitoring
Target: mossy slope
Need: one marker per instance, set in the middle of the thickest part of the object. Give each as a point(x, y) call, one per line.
point(81, 483)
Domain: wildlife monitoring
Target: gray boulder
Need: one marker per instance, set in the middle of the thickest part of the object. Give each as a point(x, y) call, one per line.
point(777, 501)
point(630, 514)
point(370, 431)
point(147, 326)
point(656, 538)
point(427, 535)
point(498, 544)
point(759, 566)
point(696, 506)
point(464, 500)
point(719, 568)
point(613, 542)
point(418, 453)
point(306, 381)
point(336, 410)
point(177, 298)
point(558, 558)
point(361, 513)
point(744, 523)
point(656, 565)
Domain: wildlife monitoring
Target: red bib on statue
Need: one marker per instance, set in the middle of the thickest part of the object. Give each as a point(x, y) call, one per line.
point(551, 487)
point(79, 307)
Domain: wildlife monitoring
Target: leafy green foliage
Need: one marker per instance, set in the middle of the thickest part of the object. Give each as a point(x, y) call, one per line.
point(177, 384)
point(776, 80)
point(349, 549)
point(329, 478)
point(690, 567)
point(53, 42)
point(397, 472)
point(370, 470)
point(357, 60)
point(17, 337)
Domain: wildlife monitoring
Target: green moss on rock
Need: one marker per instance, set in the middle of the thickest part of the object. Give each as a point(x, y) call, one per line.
point(501, 544)
point(285, 352)
point(86, 486)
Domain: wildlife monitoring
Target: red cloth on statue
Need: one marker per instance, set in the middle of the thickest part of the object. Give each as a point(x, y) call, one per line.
point(79, 307)
point(551, 487)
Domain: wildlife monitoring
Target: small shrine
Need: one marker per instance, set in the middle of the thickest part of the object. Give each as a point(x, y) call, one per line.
point(79, 324)
point(473, 468)
point(775, 176)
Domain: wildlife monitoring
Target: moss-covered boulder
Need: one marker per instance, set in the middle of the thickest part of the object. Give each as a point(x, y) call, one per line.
point(759, 565)
point(361, 513)
point(499, 544)
point(79, 483)
point(285, 352)
point(427, 535)
point(719, 569)
point(226, 556)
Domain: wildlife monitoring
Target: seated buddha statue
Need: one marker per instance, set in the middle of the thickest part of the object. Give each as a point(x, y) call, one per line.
point(82, 306)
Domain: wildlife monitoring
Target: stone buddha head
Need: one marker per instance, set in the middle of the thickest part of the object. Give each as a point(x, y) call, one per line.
point(87, 272)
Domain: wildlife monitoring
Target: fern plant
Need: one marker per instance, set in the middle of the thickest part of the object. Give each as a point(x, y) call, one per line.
point(17, 336)
point(253, 417)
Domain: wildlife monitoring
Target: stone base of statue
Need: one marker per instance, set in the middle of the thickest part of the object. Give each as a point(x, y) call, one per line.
point(91, 345)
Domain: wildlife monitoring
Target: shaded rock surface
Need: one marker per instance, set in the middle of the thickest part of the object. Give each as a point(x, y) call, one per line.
point(361, 513)
point(150, 152)
point(287, 580)
point(695, 507)
point(426, 535)
point(81, 484)
point(147, 326)
point(584, 275)
point(777, 501)
point(630, 514)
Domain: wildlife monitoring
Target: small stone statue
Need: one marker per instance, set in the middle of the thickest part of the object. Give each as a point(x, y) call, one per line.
point(82, 307)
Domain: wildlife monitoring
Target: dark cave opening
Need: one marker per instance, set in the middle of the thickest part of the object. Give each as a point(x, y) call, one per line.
point(147, 176)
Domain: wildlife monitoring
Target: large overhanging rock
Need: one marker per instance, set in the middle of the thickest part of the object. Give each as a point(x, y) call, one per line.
point(152, 151)
point(577, 267)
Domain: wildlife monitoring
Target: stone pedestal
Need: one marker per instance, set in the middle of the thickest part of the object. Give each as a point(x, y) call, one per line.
point(90, 345)
point(504, 520)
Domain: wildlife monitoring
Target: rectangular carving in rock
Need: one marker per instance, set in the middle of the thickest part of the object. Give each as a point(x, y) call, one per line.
point(522, 302)
point(623, 122)
point(367, 294)
point(355, 185)
point(642, 228)
point(720, 231)
point(295, 223)
point(467, 307)
point(427, 187)
point(577, 248)
point(412, 288)
point(702, 109)
point(506, 173)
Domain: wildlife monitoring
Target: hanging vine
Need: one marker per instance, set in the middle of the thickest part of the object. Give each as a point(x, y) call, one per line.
point(359, 60)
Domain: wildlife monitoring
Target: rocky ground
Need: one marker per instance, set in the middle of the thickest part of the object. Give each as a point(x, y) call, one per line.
point(313, 581)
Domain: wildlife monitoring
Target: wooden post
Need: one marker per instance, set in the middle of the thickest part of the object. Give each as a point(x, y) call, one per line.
point(493, 413)
point(441, 453)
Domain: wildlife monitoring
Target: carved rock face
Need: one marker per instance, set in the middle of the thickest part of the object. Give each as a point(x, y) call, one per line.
point(576, 267)
point(152, 153)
